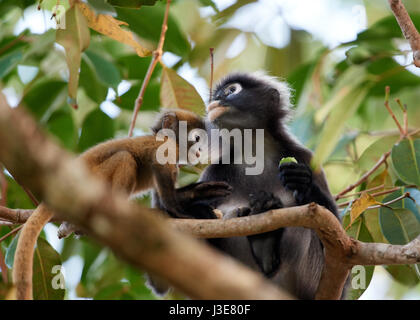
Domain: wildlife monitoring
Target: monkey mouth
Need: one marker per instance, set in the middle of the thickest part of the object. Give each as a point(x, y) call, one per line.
point(215, 110)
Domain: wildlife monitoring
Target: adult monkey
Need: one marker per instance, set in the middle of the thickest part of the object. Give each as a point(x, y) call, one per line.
point(291, 257)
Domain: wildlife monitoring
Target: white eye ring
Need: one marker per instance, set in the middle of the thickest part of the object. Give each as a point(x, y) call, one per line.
point(232, 89)
point(195, 136)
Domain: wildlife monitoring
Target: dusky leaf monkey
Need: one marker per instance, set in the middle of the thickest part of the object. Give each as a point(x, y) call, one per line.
point(291, 257)
point(129, 165)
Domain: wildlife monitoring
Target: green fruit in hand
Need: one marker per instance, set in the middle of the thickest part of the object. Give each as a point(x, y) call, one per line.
point(287, 159)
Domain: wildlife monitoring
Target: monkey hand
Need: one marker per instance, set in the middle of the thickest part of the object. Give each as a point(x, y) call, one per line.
point(204, 191)
point(296, 177)
point(198, 200)
point(265, 246)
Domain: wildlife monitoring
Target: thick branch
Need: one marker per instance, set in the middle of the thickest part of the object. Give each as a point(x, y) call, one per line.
point(138, 235)
point(341, 251)
point(407, 27)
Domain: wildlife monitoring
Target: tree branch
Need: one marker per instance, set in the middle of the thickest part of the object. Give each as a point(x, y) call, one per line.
point(157, 55)
point(15, 215)
point(365, 176)
point(407, 27)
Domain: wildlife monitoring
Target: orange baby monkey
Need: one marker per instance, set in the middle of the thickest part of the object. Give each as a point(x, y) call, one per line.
point(130, 165)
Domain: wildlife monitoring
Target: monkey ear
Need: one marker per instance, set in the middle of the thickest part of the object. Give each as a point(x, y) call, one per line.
point(167, 120)
point(274, 97)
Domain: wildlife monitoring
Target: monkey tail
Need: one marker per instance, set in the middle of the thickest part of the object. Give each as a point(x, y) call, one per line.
point(23, 262)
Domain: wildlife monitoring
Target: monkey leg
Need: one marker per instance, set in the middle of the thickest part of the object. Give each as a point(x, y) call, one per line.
point(23, 261)
point(265, 246)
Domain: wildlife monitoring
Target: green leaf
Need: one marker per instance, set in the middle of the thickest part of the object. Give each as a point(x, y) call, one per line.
point(150, 100)
point(134, 67)
point(406, 160)
point(10, 251)
point(343, 109)
point(374, 152)
point(147, 23)
point(62, 126)
point(16, 196)
point(389, 73)
point(75, 39)
point(89, 81)
point(46, 277)
point(385, 28)
point(106, 71)
point(176, 92)
point(404, 274)
point(97, 127)
point(399, 224)
point(10, 61)
point(106, 270)
point(43, 96)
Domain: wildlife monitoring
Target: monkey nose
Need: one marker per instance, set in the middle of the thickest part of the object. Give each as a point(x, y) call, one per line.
point(215, 109)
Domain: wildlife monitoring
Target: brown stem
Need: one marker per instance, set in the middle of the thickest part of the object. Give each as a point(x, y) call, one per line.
point(377, 194)
point(387, 90)
point(157, 55)
point(365, 176)
point(405, 195)
point(211, 73)
point(11, 232)
point(407, 27)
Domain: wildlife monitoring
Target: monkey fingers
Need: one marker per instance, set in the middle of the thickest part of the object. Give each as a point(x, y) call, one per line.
point(210, 191)
point(264, 201)
point(295, 176)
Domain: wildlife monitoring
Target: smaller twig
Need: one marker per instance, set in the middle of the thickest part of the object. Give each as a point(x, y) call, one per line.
point(405, 195)
point(211, 73)
point(11, 44)
point(377, 194)
point(365, 176)
point(387, 91)
point(414, 132)
point(407, 27)
point(383, 133)
point(157, 56)
point(11, 232)
point(360, 192)
point(405, 117)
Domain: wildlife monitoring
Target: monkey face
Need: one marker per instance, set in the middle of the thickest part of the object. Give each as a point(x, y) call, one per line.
point(247, 101)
